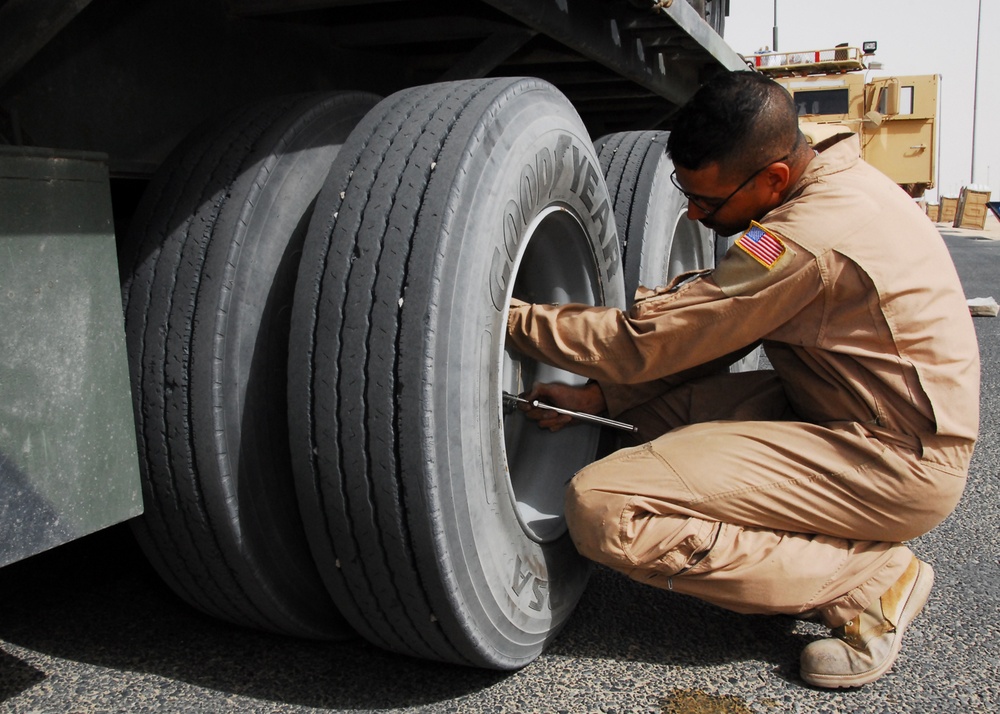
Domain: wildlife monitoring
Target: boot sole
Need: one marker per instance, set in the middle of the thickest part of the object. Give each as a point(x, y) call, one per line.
point(915, 602)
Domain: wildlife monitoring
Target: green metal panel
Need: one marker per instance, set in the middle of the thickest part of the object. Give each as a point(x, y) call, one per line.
point(68, 463)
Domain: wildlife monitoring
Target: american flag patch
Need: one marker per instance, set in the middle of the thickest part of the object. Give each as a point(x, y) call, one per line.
point(762, 246)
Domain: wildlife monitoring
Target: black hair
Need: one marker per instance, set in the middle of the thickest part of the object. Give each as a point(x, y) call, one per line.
point(740, 120)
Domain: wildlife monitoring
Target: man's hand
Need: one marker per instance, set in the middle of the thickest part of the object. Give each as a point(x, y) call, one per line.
point(587, 398)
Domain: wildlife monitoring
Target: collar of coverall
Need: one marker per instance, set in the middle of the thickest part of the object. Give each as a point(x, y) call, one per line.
point(837, 152)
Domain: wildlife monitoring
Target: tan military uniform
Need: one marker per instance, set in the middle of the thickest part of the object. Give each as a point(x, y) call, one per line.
point(788, 491)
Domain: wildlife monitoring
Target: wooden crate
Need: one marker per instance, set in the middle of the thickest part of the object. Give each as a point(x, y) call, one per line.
point(948, 206)
point(971, 209)
point(933, 211)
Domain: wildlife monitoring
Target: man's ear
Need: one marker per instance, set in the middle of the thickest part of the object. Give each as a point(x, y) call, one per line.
point(777, 176)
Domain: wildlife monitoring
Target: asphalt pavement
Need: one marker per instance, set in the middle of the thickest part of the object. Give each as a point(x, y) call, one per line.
point(88, 627)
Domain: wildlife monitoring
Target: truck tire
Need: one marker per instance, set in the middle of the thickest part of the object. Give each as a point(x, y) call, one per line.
point(435, 514)
point(658, 240)
point(715, 15)
point(713, 12)
point(209, 273)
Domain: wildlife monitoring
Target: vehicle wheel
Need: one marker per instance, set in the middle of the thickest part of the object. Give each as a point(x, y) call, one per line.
point(658, 240)
point(713, 12)
point(435, 514)
point(750, 362)
point(208, 282)
point(715, 15)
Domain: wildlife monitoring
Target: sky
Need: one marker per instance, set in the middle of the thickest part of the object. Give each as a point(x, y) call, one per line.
point(914, 37)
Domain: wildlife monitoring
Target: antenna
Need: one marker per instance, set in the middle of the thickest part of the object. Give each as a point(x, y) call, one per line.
point(975, 93)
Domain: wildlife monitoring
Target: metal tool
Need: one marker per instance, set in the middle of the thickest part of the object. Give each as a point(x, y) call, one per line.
point(582, 416)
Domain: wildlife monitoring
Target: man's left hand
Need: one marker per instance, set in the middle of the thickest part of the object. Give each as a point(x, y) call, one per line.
point(587, 398)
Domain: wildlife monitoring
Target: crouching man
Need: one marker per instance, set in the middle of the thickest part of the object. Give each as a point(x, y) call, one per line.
point(788, 491)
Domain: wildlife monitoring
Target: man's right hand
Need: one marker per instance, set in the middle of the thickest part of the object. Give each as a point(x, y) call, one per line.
point(587, 398)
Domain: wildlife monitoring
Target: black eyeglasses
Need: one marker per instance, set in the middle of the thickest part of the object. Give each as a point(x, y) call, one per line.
point(708, 205)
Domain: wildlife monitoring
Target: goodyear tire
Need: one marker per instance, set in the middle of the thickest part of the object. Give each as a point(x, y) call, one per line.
point(658, 240)
point(208, 283)
point(434, 513)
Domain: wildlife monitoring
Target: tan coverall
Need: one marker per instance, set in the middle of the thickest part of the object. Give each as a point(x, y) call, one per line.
point(788, 491)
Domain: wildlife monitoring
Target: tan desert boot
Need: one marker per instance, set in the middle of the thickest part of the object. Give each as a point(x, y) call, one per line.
point(865, 648)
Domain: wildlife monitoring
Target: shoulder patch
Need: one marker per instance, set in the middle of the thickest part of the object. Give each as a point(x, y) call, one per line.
point(761, 245)
point(751, 265)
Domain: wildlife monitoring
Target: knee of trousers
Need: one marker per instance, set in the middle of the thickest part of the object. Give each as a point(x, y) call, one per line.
point(628, 532)
point(593, 518)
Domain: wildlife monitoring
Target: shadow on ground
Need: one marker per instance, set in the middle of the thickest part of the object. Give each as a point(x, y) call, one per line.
point(122, 617)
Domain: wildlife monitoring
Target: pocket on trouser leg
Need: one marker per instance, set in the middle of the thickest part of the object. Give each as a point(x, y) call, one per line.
point(663, 543)
point(619, 532)
point(626, 511)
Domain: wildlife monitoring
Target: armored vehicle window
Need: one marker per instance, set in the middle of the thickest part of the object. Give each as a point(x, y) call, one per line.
point(822, 101)
point(905, 101)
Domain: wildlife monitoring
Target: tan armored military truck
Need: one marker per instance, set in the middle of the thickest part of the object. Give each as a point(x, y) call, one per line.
point(895, 117)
